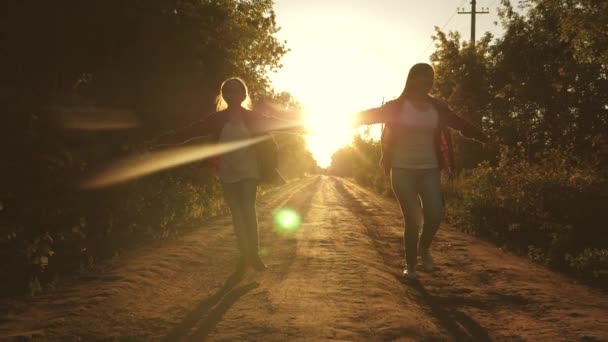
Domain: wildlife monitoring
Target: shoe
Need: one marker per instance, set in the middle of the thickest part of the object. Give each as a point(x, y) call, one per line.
point(409, 274)
point(427, 260)
point(258, 264)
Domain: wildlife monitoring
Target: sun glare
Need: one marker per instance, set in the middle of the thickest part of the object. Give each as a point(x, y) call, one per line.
point(342, 80)
point(330, 129)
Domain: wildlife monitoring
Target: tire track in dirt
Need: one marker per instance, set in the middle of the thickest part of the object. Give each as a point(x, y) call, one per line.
point(480, 292)
point(336, 288)
point(140, 296)
point(460, 326)
point(336, 278)
point(199, 323)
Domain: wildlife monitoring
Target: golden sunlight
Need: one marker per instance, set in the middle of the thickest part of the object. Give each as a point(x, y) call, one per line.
point(341, 81)
point(330, 129)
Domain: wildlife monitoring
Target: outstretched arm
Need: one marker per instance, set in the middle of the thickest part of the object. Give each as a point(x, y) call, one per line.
point(457, 123)
point(276, 119)
point(183, 135)
point(375, 115)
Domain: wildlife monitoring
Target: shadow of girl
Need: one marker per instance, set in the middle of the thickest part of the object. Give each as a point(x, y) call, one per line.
point(210, 311)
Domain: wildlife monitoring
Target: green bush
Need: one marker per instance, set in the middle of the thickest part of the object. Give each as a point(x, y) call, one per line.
point(50, 227)
point(44, 236)
point(551, 210)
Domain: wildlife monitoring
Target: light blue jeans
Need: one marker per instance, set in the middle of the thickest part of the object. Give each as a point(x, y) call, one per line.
point(415, 190)
point(240, 198)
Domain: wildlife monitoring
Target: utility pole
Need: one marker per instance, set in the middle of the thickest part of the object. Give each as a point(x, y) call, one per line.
point(473, 12)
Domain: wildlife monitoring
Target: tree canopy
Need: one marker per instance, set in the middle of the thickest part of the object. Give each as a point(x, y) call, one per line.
point(161, 61)
point(543, 84)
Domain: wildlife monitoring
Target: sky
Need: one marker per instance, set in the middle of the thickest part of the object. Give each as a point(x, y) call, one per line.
point(347, 55)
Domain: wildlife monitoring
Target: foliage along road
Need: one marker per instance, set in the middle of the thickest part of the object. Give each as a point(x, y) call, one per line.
point(335, 278)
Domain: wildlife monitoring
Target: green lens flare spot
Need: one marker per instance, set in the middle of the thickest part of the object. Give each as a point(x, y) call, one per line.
point(287, 220)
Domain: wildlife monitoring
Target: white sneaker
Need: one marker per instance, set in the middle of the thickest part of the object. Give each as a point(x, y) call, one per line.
point(427, 260)
point(409, 274)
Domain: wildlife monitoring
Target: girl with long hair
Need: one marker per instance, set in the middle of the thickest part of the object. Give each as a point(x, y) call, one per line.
point(415, 147)
point(242, 170)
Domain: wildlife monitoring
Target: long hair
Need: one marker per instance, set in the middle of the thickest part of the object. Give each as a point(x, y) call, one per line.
point(221, 104)
point(415, 71)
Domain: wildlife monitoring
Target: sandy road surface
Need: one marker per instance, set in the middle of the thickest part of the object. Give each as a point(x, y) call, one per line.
point(335, 278)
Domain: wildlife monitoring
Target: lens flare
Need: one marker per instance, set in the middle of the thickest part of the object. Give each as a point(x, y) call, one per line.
point(141, 165)
point(287, 220)
point(95, 118)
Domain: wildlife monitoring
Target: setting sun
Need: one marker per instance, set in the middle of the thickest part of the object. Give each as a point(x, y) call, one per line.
point(330, 129)
point(345, 80)
point(336, 73)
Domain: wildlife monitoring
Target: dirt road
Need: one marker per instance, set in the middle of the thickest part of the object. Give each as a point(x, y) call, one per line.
point(335, 278)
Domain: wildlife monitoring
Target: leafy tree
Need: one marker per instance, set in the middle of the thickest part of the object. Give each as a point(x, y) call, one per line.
point(295, 160)
point(529, 87)
point(583, 26)
point(542, 90)
point(162, 60)
point(462, 77)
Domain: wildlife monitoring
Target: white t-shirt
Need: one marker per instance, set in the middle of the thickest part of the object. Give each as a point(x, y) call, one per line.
point(241, 164)
point(415, 138)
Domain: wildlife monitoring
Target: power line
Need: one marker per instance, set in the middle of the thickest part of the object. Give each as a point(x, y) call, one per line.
point(442, 27)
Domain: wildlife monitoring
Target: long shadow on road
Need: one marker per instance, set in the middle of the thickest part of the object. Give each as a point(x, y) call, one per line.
point(458, 324)
point(204, 318)
point(207, 325)
point(208, 310)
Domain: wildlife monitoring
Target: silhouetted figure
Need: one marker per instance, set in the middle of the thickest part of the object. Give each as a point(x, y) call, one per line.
point(415, 147)
point(242, 170)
